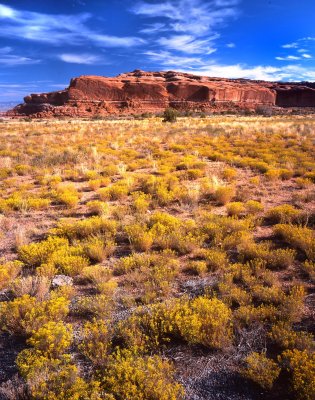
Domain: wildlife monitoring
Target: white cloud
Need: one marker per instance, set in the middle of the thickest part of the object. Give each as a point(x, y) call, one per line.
point(305, 55)
point(288, 58)
point(166, 58)
point(56, 29)
point(188, 44)
point(196, 17)
point(293, 45)
point(5, 50)
point(10, 60)
point(300, 44)
point(192, 27)
point(6, 12)
point(87, 59)
point(231, 45)
point(260, 72)
point(154, 28)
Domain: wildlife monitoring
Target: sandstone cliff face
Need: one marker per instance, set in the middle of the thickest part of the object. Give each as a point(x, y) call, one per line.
point(140, 91)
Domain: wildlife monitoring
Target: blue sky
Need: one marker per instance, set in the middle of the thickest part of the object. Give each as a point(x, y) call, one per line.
point(43, 44)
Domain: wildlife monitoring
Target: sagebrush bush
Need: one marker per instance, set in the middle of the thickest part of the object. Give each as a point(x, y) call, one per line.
point(36, 286)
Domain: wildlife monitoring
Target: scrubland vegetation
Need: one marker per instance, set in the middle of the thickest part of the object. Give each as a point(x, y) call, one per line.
point(188, 250)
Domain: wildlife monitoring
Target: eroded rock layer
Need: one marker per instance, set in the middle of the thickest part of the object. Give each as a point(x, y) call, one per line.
point(139, 92)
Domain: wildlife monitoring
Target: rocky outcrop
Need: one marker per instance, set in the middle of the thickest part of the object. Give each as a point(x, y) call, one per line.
point(295, 96)
point(139, 91)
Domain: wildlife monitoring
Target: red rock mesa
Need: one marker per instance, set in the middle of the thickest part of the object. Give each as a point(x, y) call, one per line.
point(142, 92)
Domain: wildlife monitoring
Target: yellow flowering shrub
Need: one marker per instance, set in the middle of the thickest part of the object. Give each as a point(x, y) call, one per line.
point(301, 366)
point(286, 338)
point(67, 195)
point(283, 214)
point(55, 378)
point(99, 306)
point(98, 207)
point(235, 208)
point(141, 202)
point(309, 268)
point(200, 321)
point(98, 248)
point(35, 254)
point(299, 237)
point(79, 229)
point(140, 237)
point(8, 272)
point(51, 339)
point(261, 370)
point(128, 376)
point(224, 194)
point(95, 342)
point(24, 315)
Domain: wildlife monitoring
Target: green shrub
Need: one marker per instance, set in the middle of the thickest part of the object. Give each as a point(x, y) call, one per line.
point(170, 115)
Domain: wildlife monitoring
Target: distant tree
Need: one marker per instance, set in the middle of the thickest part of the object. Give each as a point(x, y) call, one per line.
point(170, 115)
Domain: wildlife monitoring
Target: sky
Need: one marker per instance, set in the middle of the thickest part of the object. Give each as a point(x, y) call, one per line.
point(43, 44)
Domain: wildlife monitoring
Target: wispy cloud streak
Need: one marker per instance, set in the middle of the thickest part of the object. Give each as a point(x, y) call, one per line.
point(57, 29)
